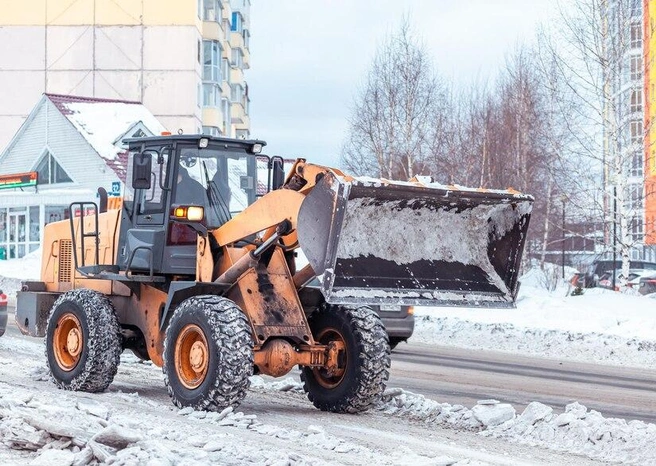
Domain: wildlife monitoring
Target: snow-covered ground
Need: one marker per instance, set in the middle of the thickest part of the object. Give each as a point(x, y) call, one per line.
point(132, 424)
point(598, 326)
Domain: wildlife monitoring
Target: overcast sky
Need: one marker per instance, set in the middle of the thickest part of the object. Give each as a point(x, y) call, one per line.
point(309, 57)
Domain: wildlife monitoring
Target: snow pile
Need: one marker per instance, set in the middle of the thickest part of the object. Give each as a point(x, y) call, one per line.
point(577, 430)
point(559, 344)
point(398, 402)
point(600, 325)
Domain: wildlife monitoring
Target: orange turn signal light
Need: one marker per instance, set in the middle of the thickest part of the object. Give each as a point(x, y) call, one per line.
point(189, 213)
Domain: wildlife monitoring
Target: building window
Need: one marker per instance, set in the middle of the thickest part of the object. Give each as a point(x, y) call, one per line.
point(211, 60)
point(242, 134)
point(50, 172)
point(247, 38)
point(636, 36)
point(636, 163)
point(635, 128)
point(237, 22)
point(212, 11)
point(227, 117)
point(636, 68)
point(237, 93)
point(211, 131)
point(636, 196)
point(636, 8)
point(636, 229)
point(237, 58)
point(636, 101)
point(225, 70)
point(211, 94)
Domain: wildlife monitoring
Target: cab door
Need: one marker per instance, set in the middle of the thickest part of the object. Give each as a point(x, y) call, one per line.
point(145, 219)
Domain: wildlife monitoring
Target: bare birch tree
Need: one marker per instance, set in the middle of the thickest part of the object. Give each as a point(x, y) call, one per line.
point(390, 125)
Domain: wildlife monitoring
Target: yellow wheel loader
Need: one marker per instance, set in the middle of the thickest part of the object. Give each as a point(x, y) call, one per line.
point(197, 271)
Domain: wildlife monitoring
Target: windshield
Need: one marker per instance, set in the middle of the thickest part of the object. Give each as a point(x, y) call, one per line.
point(224, 182)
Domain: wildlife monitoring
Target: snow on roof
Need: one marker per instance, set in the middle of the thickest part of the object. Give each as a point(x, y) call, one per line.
point(103, 121)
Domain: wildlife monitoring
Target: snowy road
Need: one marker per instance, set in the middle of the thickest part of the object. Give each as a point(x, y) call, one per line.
point(463, 376)
point(277, 427)
point(457, 375)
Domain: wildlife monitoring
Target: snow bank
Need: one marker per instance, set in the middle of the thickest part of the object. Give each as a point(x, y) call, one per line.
point(577, 430)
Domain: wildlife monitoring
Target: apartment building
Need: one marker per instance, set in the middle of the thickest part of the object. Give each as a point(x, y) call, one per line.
point(624, 116)
point(184, 59)
point(649, 53)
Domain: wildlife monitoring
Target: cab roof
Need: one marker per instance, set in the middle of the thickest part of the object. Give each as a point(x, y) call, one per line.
point(193, 138)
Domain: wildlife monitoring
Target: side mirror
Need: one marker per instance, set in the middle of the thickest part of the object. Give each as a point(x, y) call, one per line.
point(141, 169)
point(278, 175)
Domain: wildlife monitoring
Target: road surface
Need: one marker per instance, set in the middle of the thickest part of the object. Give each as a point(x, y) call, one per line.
point(455, 375)
point(461, 376)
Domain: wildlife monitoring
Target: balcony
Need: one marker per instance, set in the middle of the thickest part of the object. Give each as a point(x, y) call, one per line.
point(213, 31)
point(212, 116)
point(236, 75)
point(237, 113)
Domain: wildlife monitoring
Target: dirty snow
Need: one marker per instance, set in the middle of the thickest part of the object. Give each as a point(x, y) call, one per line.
point(436, 234)
point(42, 425)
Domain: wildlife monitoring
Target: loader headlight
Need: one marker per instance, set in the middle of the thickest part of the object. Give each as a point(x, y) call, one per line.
point(257, 148)
point(189, 213)
point(203, 143)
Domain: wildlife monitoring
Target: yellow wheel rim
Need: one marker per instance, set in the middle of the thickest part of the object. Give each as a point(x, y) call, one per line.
point(192, 356)
point(68, 341)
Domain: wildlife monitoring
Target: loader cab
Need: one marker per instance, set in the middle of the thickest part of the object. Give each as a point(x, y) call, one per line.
point(168, 173)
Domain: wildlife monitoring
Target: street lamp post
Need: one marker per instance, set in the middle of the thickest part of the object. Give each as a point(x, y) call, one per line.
point(614, 233)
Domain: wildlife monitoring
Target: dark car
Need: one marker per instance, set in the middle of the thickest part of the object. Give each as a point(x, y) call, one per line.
point(647, 284)
point(600, 266)
point(3, 313)
point(399, 322)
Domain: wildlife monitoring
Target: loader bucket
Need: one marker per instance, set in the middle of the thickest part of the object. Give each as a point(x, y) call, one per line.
point(380, 242)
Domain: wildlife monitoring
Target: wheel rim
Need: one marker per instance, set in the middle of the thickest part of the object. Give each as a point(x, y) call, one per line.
point(68, 342)
point(191, 356)
point(320, 374)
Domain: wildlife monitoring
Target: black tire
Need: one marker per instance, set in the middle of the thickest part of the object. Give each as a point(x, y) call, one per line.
point(221, 326)
point(367, 360)
point(92, 364)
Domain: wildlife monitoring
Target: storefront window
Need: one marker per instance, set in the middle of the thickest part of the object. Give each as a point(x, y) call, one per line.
point(55, 214)
point(3, 226)
point(34, 223)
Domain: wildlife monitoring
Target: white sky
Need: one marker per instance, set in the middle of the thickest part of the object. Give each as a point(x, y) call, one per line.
point(308, 58)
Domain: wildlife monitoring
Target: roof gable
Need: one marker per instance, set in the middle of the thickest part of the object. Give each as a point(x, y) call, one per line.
point(103, 122)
